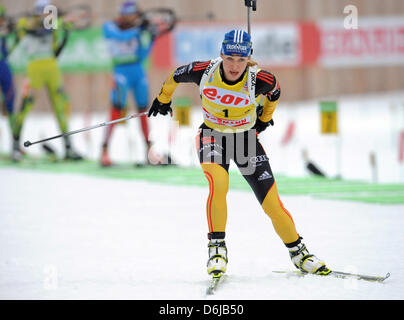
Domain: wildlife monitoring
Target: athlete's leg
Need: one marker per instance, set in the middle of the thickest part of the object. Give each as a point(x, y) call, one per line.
point(216, 206)
point(210, 149)
point(259, 176)
point(140, 87)
point(27, 104)
point(118, 98)
point(262, 182)
point(281, 218)
point(60, 104)
point(33, 82)
point(8, 92)
point(7, 88)
point(36, 78)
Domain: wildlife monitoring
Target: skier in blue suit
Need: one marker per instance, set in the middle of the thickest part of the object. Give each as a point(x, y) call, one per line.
point(129, 43)
point(6, 77)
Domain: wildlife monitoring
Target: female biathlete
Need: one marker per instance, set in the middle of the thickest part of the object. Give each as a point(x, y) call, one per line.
point(42, 46)
point(231, 86)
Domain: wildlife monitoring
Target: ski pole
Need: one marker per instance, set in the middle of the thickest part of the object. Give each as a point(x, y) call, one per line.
point(136, 115)
point(250, 4)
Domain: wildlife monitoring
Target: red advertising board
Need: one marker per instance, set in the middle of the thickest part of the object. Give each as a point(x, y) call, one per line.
point(376, 41)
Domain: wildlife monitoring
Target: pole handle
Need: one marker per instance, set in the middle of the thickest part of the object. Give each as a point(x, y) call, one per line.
point(251, 4)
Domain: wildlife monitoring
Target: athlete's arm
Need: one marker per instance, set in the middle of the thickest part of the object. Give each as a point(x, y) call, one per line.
point(268, 86)
point(146, 41)
point(58, 47)
point(21, 29)
point(188, 73)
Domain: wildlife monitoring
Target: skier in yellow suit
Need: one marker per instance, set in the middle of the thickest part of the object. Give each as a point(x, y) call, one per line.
point(42, 46)
point(231, 87)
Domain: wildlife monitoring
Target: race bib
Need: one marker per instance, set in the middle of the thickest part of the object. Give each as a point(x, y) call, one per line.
point(225, 122)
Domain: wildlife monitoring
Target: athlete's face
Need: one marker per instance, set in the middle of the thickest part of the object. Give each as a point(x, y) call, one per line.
point(127, 21)
point(129, 17)
point(234, 66)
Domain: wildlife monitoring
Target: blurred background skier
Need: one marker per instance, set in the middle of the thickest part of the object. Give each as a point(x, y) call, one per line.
point(6, 76)
point(129, 40)
point(42, 47)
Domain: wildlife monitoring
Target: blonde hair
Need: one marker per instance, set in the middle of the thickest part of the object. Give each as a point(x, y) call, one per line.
point(251, 63)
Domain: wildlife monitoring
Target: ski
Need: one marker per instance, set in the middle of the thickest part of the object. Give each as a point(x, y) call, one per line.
point(213, 284)
point(338, 274)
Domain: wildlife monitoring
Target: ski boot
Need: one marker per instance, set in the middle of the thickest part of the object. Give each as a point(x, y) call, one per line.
point(50, 152)
point(306, 262)
point(105, 159)
point(217, 262)
point(16, 153)
point(70, 154)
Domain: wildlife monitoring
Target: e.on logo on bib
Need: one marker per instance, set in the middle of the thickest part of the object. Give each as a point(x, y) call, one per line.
point(226, 98)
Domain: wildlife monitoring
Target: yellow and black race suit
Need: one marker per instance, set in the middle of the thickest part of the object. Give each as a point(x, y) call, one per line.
point(228, 134)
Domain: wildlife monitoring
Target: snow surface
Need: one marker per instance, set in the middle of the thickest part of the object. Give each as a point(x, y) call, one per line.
point(75, 237)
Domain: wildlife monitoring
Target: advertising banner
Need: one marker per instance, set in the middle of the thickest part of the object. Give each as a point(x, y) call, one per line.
point(273, 44)
point(85, 51)
point(377, 41)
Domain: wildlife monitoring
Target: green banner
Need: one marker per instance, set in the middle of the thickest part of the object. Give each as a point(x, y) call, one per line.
point(85, 51)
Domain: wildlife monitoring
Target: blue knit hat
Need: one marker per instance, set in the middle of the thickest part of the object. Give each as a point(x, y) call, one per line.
point(39, 6)
point(127, 8)
point(236, 43)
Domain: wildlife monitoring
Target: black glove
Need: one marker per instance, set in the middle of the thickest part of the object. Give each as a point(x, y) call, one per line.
point(261, 126)
point(158, 107)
